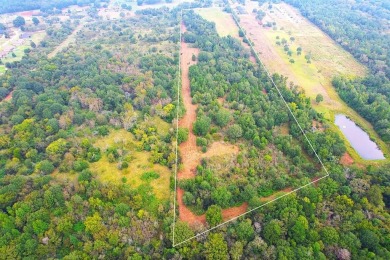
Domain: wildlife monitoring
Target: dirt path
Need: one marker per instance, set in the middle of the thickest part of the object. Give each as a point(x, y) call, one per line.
point(189, 152)
point(8, 97)
point(186, 214)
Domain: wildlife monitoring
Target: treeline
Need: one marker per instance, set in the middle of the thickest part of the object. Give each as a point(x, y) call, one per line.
point(82, 219)
point(43, 5)
point(360, 27)
point(373, 106)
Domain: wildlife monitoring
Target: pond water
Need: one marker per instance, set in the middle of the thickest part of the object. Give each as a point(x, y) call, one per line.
point(359, 139)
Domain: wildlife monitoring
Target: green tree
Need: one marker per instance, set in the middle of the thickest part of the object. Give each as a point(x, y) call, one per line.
point(182, 135)
point(35, 21)
point(39, 226)
point(214, 215)
point(236, 250)
point(319, 98)
point(222, 197)
point(299, 230)
point(19, 21)
point(202, 125)
point(245, 230)
point(374, 195)
point(369, 239)
point(44, 167)
point(57, 147)
point(329, 235)
point(222, 117)
point(94, 225)
point(216, 247)
point(182, 231)
point(272, 232)
point(234, 132)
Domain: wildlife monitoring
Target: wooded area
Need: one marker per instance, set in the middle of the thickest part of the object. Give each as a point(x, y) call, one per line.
point(122, 75)
point(43, 5)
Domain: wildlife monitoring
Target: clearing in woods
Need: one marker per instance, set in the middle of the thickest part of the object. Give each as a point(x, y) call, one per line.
point(224, 22)
point(327, 59)
point(190, 154)
point(70, 39)
point(125, 143)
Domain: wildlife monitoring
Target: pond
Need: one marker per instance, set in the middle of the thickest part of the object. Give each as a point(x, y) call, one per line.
point(358, 139)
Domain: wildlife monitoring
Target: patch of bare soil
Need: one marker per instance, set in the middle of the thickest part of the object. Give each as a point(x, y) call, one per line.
point(220, 148)
point(317, 126)
point(189, 152)
point(8, 97)
point(267, 53)
point(186, 214)
point(233, 212)
point(346, 159)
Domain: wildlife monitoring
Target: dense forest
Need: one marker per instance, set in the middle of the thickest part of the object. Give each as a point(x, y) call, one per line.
point(361, 27)
point(21, 5)
point(121, 77)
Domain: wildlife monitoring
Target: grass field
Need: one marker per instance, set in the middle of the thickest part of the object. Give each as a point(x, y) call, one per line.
point(139, 164)
point(223, 21)
point(328, 59)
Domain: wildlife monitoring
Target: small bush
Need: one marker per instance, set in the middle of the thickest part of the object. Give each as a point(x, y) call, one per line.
point(148, 176)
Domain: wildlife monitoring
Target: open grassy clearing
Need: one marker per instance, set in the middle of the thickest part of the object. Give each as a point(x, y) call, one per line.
point(327, 60)
point(224, 22)
point(139, 164)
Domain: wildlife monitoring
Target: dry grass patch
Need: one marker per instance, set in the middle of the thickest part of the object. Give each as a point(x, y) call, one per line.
point(223, 21)
point(138, 162)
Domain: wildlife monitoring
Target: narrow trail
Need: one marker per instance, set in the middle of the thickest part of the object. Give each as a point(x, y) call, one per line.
point(190, 156)
point(8, 97)
point(189, 153)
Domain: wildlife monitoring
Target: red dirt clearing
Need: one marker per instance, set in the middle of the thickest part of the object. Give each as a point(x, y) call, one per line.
point(189, 152)
point(8, 97)
point(186, 214)
point(346, 159)
point(233, 212)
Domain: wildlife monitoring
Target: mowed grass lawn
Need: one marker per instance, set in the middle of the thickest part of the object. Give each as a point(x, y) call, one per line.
point(139, 163)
